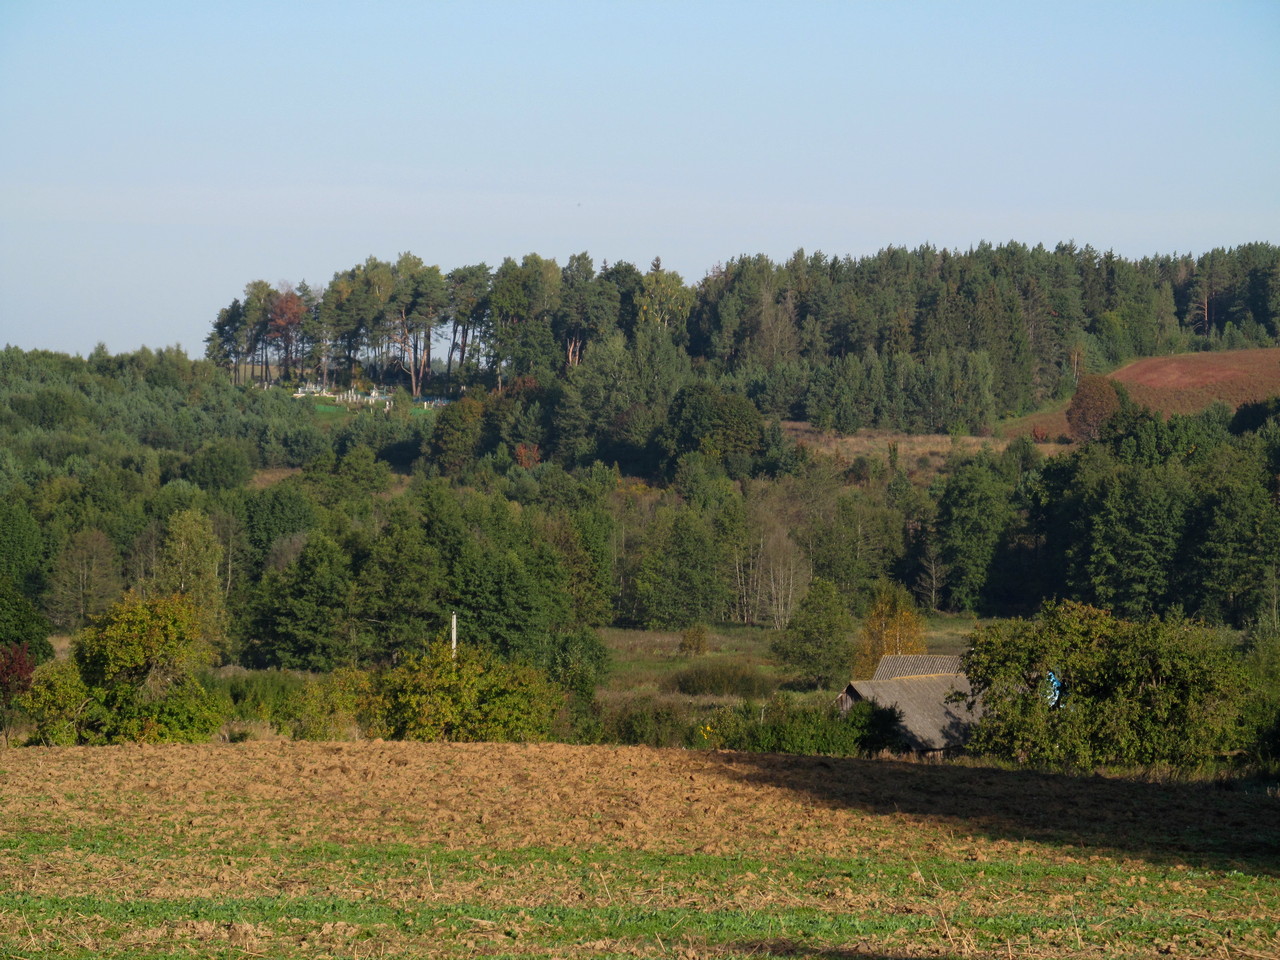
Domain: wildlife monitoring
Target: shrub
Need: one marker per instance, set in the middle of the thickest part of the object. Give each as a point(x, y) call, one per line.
point(1078, 687)
point(581, 721)
point(1262, 709)
point(137, 665)
point(186, 713)
point(693, 641)
point(301, 706)
point(257, 696)
point(221, 465)
point(787, 724)
point(721, 679)
point(473, 697)
point(335, 706)
point(577, 660)
point(56, 703)
point(645, 721)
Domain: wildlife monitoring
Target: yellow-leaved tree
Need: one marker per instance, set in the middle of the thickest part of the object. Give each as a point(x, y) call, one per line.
point(891, 627)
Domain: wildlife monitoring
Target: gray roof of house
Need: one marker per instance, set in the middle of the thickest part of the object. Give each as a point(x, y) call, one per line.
point(921, 665)
point(929, 720)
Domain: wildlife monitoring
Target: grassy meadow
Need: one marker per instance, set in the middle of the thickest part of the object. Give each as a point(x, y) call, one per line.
point(646, 660)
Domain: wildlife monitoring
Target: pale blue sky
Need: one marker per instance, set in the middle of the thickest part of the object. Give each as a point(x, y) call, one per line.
point(155, 157)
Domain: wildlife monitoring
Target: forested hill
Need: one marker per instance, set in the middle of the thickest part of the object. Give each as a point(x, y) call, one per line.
point(920, 340)
point(612, 454)
point(134, 486)
point(133, 470)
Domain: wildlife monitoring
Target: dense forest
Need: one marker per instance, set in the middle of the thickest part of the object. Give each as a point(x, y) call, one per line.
point(607, 449)
point(919, 340)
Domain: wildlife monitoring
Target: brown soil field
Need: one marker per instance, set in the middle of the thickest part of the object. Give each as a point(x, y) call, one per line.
point(510, 795)
point(226, 823)
point(1186, 383)
point(1192, 381)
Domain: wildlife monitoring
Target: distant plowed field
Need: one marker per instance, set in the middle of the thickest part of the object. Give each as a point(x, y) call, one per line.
point(1186, 383)
point(413, 850)
point(1192, 381)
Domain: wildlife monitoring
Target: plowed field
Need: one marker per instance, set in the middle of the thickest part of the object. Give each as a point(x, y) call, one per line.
point(1190, 382)
point(413, 850)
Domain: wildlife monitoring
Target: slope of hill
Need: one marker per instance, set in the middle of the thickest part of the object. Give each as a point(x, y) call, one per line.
point(1184, 383)
point(1189, 382)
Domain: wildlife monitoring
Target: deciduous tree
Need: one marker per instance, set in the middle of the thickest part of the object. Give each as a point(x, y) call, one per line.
point(286, 316)
point(891, 627)
point(663, 297)
point(1092, 405)
point(189, 566)
point(137, 663)
point(16, 668)
point(86, 579)
point(818, 641)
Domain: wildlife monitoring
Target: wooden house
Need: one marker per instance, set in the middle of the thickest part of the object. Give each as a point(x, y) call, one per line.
point(923, 689)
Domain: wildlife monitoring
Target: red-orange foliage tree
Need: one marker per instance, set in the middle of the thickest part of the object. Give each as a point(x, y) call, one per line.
point(1094, 402)
point(16, 667)
point(284, 327)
